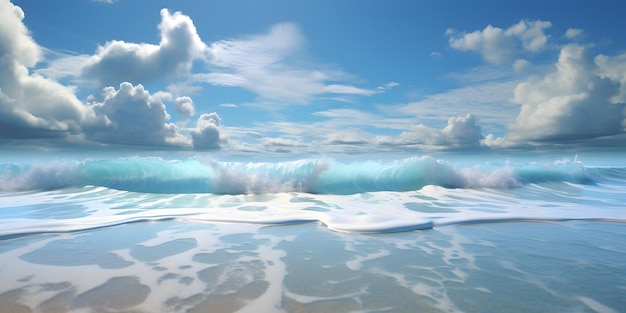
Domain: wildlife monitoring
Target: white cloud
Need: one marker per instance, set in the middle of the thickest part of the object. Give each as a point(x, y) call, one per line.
point(34, 106)
point(184, 106)
point(183, 89)
point(206, 135)
point(491, 102)
point(348, 90)
point(387, 86)
point(614, 68)
point(573, 33)
point(229, 105)
point(16, 44)
point(271, 65)
point(461, 132)
point(520, 64)
point(497, 45)
point(31, 106)
point(62, 64)
point(281, 145)
point(530, 33)
point(570, 103)
point(132, 116)
point(119, 61)
point(342, 118)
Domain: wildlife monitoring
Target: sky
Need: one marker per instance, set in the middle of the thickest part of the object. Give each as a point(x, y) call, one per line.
point(319, 76)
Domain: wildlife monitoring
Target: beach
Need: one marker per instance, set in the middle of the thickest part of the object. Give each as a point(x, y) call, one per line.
point(555, 244)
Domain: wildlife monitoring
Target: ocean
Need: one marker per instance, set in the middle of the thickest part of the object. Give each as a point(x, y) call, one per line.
point(438, 233)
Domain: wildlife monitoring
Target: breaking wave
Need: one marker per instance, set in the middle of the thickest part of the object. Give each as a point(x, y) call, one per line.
point(321, 176)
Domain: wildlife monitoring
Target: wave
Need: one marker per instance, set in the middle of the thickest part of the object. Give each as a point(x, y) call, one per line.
point(320, 176)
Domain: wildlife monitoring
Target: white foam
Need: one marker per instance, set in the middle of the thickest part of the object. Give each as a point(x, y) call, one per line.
point(597, 306)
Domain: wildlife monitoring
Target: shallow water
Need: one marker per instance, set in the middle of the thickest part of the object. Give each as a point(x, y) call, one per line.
point(181, 266)
point(472, 237)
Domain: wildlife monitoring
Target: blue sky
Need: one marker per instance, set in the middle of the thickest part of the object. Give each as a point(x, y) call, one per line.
point(312, 76)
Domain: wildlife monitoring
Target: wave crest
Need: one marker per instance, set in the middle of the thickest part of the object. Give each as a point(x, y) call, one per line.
point(324, 175)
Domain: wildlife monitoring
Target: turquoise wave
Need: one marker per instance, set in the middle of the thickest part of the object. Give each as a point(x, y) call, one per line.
point(322, 176)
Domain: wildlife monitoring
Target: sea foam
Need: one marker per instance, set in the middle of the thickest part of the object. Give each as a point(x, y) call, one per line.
point(318, 176)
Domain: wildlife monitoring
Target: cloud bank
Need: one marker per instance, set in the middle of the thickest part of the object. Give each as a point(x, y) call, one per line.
point(460, 133)
point(31, 106)
point(578, 99)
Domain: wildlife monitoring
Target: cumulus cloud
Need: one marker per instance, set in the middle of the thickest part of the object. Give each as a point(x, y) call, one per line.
point(614, 68)
point(16, 45)
point(497, 45)
point(270, 66)
point(31, 106)
point(119, 61)
point(571, 102)
point(461, 132)
point(130, 115)
point(206, 134)
point(184, 106)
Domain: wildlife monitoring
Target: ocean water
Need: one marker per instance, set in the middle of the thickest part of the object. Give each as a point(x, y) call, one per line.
point(409, 234)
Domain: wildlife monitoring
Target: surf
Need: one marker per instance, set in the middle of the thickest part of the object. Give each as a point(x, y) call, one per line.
point(309, 175)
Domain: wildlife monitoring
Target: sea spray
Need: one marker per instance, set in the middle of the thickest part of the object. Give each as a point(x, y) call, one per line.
point(313, 175)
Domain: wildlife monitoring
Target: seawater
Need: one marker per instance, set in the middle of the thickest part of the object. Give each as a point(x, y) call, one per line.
point(414, 234)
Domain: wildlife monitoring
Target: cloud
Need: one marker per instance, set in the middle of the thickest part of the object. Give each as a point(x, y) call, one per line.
point(614, 68)
point(352, 136)
point(16, 44)
point(497, 45)
point(36, 107)
point(491, 102)
point(463, 131)
point(229, 105)
point(131, 116)
point(272, 66)
point(31, 106)
point(184, 106)
point(520, 64)
point(460, 133)
point(572, 102)
point(573, 33)
point(206, 134)
point(387, 86)
point(281, 145)
point(119, 61)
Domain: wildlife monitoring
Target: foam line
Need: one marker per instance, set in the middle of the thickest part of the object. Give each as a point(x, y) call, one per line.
point(317, 176)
